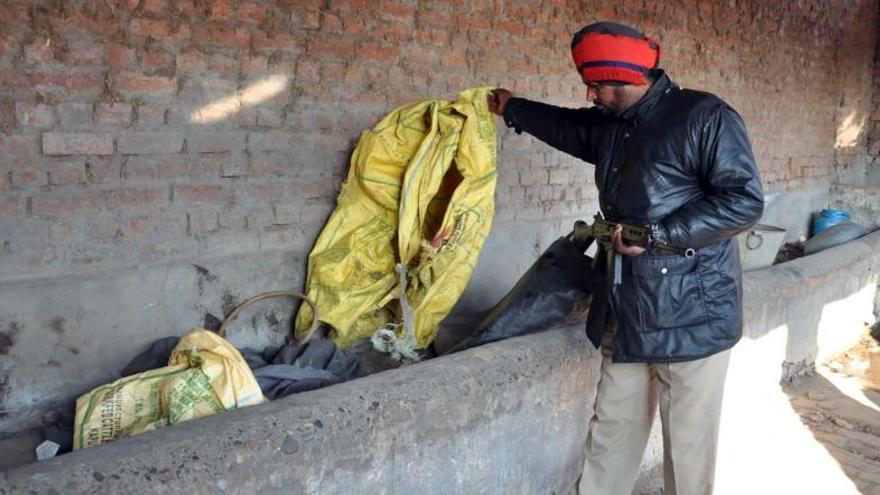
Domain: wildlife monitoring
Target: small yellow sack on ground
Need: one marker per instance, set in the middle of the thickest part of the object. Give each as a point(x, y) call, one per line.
point(205, 375)
point(410, 219)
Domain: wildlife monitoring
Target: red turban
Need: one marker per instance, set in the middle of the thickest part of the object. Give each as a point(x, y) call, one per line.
point(602, 52)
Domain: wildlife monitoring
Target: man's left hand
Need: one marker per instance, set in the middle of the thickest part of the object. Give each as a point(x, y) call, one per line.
point(621, 247)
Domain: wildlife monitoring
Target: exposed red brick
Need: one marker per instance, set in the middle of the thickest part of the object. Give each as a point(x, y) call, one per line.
point(395, 9)
point(373, 51)
point(350, 4)
point(250, 12)
point(80, 23)
point(133, 83)
point(475, 22)
point(310, 20)
point(332, 47)
point(331, 23)
point(350, 62)
point(120, 56)
point(511, 27)
point(157, 60)
point(221, 10)
point(278, 41)
point(68, 80)
point(354, 27)
point(225, 37)
point(158, 29)
point(395, 32)
point(155, 6)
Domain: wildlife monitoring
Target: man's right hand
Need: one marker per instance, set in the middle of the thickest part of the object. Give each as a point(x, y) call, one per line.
point(498, 100)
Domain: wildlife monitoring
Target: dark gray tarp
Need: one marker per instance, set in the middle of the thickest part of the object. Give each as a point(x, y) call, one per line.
point(555, 290)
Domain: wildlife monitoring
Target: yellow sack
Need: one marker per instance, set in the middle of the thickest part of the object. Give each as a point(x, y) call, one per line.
point(205, 375)
point(413, 213)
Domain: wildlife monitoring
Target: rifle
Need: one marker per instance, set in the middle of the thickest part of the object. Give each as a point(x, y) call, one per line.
point(601, 231)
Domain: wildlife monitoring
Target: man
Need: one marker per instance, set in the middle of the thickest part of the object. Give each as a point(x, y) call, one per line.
point(679, 162)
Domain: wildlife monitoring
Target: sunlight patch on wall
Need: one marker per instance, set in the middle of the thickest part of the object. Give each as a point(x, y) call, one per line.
point(849, 130)
point(228, 106)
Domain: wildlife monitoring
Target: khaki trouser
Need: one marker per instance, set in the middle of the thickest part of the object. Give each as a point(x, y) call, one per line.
point(689, 395)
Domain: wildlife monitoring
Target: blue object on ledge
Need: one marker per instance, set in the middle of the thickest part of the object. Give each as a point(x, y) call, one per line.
point(828, 218)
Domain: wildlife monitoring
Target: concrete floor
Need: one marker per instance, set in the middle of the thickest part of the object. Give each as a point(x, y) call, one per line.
point(839, 406)
point(819, 434)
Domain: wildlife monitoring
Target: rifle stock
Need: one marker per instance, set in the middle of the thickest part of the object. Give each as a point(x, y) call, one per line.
point(602, 231)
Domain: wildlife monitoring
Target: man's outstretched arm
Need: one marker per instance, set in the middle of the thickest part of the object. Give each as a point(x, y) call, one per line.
point(569, 130)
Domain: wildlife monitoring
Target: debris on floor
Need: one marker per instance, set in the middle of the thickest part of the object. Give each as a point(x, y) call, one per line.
point(789, 251)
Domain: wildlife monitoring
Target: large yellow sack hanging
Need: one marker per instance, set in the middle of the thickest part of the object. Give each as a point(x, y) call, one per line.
point(419, 196)
point(205, 375)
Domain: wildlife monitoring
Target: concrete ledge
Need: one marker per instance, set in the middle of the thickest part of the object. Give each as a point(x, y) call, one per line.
point(509, 417)
point(821, 302)
point(504, 418)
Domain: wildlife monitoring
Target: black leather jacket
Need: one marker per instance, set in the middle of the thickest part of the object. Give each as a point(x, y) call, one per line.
point(681, 161)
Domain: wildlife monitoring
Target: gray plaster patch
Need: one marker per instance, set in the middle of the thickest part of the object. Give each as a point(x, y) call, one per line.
point(290, 445)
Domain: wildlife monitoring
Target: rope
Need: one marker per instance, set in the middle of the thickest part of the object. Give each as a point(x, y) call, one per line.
point(385, 339)
point(266, 295)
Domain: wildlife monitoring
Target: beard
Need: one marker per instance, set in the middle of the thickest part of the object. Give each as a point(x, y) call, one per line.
point(607, 110)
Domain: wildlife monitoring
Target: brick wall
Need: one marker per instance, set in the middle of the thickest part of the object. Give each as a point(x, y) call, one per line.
point(874, 130)
point(149, 130)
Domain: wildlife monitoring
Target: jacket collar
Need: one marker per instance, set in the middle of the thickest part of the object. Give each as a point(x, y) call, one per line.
point(643, 107)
